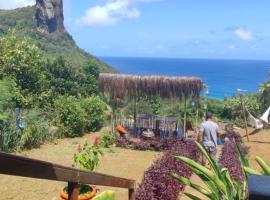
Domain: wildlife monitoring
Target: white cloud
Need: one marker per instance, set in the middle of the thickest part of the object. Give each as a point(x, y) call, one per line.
point(243, 34)
point(12, 4)
point(111, 12)
point(232, 46)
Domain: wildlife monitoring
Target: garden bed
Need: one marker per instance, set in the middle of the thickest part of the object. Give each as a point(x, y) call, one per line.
point(156, 183)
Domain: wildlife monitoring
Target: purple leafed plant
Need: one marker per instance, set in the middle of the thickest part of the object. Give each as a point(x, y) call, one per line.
point(156, 183)
point(154, 144)
point(230, 160)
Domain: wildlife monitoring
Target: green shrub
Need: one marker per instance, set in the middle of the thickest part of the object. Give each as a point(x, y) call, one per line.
point(106, 139)
point(94, 112)
point(87, 157)
point(36, 129)
point(9, 134)
point(69, 116)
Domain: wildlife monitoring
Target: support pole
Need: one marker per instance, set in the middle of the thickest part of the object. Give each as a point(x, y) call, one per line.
point(135, 111)
point(197, 111)
point(113, 116)
point(244, 115)
point(131, 194)
point(73, 191)
point(185, 115)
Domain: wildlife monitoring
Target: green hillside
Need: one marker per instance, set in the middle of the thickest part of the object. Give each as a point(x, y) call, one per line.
point(53, 45)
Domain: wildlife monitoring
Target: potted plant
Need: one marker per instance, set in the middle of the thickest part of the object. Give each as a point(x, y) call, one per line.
point(86, 158)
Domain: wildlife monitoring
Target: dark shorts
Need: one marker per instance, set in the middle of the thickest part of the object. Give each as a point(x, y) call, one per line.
point(212, 151)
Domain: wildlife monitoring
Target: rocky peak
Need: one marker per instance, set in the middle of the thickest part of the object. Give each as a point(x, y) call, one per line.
point(49, 16)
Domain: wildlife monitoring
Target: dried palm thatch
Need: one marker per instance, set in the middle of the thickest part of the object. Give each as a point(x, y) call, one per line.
point(122, 85)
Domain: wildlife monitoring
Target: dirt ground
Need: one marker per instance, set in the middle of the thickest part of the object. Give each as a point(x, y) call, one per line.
point(117, 162)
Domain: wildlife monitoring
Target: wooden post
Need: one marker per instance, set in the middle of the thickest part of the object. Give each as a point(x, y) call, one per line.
point(135, 112)
point(131, 194)
point(185, 115)
point(73, 191)
point(244, 115)
point(197, 111)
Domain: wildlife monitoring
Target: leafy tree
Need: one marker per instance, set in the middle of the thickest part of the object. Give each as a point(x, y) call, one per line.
point(21, 59)
point(233, 110)
point(64, 79)
point(9, 95)
point(264, 94)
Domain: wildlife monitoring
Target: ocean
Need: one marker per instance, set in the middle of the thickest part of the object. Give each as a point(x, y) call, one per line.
point(223, 77)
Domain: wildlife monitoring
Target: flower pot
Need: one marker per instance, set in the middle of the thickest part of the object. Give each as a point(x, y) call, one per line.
point(87, 196)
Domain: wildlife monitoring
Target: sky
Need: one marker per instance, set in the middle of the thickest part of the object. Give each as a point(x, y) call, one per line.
point(227, 29)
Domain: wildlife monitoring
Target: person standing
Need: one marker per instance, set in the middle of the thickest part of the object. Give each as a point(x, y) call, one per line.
point(208, 135)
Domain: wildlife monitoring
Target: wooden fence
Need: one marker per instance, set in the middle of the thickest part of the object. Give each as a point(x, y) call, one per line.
point(32, 168)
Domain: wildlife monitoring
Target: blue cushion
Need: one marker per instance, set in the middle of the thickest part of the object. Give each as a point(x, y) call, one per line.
point(259, 187)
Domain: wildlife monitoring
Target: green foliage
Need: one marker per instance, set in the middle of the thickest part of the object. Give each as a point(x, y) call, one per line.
point(233, 110)
point(264, 95)
point(9, 133)
point(36, 129)
point(219, 183)
point(69, 116)
point(106, 195)
point(88, 157)
point(20, 59)
point(9, 96)
point(65, 79)
point(263, 165)
point(53, 46)
point(35, 69)
point(94, 109)
point(107, 139)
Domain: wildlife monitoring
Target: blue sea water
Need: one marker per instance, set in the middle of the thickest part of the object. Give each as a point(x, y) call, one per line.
point(223, 77)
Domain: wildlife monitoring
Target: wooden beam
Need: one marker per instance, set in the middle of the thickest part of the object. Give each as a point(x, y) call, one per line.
point(32, 168)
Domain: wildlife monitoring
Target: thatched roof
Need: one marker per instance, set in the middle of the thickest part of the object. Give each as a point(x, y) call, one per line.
point(122, 85)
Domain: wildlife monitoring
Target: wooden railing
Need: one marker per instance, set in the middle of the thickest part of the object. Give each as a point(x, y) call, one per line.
point(32, 168)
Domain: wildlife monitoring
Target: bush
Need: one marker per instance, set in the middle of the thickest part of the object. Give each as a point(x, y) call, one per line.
point(107, 139)
point(69, 116)
point(9, 134)
point(87, 157)
point(94, 109)
point(36, 129)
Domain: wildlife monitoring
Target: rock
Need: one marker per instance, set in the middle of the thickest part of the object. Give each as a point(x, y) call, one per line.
point(49, 16)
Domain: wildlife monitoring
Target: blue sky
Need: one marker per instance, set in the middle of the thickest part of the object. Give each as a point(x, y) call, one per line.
point(168, 28)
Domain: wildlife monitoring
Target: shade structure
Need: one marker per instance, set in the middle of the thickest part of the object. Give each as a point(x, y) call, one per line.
point(124, 85)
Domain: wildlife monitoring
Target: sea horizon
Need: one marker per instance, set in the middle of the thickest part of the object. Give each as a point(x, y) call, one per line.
point(222, 76)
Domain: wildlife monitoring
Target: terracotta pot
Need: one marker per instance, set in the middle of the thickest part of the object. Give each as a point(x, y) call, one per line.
point(88, 196)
